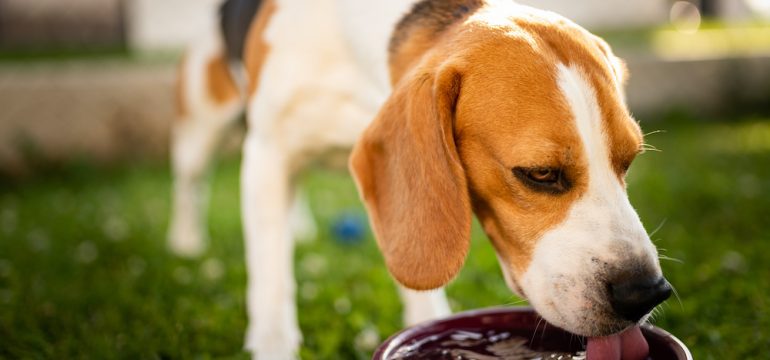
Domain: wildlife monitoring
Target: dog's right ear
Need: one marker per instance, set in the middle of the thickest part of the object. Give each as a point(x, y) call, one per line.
point(410, 177)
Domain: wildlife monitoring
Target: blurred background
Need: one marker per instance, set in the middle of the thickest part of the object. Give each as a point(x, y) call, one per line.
point(86, 102)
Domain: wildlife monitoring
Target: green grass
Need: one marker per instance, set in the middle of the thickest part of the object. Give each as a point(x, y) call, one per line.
point(713, 39)
point(84, 271)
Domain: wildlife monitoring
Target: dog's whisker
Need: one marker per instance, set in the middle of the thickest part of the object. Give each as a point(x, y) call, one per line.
point(654, 132)
point(534, 333)
point(668, 258)
point(663, 222)
point(650, 148)
point(514, 302)
point(651, 317)
point(647, 147)
point(676, 294)
point(657, 312)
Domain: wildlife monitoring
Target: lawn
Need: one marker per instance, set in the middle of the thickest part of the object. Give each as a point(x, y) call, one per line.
point(84, 272)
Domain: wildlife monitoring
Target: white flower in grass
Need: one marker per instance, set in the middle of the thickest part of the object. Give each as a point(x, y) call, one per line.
point(212, 269)
point(313, 264)
point(86, 252)
point(367, 339)
point(308, 290)
point(115, 228)
point(734, 261)
point(342, 305)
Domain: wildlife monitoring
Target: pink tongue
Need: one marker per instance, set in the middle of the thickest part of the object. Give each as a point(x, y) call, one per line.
point(628, 345)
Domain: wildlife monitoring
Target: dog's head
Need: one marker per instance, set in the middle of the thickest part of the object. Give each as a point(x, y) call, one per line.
point(520, 119)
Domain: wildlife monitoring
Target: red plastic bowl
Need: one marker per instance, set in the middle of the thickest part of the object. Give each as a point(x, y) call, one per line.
point(525, 323)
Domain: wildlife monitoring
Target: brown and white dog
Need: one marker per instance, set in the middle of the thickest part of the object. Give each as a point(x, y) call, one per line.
point(481, 107)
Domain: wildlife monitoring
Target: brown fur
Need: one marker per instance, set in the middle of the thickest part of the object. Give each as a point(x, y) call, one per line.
point(219, 80)
point(508, 112)
point(256, 49)
point(411, 177)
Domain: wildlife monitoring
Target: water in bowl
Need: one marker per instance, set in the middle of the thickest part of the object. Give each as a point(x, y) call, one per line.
point(489, 345)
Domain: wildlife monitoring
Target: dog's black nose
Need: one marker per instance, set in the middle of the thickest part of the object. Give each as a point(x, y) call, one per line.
point(634, 298)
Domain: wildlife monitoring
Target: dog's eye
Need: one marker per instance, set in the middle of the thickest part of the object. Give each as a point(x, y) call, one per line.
point(544, 175)
point(543, 179)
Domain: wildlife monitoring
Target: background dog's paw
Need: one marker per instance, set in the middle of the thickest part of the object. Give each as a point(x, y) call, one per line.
point(187, 243)
point(273, 345)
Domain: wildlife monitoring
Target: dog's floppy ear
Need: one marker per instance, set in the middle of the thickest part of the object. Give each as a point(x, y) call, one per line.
point(409, 175)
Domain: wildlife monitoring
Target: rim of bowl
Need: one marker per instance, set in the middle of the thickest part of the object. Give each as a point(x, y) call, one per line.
point(397, 339)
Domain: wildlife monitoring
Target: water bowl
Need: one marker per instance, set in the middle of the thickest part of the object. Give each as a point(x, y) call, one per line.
point(506, 333)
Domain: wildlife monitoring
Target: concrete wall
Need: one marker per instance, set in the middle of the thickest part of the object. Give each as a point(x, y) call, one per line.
point(607, 13)
point(703, 87)
point(169, 24)
point(99, 111)
point(71, 23)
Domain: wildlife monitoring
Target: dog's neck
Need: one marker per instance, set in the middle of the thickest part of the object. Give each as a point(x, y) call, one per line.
point(420, 27)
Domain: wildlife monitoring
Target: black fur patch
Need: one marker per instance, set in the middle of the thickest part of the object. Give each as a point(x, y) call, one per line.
point(435, 15)
point(235, 20)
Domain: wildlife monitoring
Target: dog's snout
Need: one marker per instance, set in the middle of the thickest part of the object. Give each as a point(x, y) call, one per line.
point(634, 298)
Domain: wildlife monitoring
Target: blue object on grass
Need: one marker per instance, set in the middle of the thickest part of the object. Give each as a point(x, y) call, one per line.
point(349, 228)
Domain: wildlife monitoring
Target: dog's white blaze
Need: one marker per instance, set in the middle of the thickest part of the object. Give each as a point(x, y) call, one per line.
point(601, 224)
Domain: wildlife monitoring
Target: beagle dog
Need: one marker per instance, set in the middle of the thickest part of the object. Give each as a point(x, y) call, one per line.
point(451, 108)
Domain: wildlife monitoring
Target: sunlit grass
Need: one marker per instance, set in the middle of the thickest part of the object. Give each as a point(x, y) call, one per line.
point(751, 137)
point(84, 271)
point(712, 42)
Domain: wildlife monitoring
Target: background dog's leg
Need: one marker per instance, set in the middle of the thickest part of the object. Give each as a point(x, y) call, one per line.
point(273, 331)
point(421, 306)
point(209, 102)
